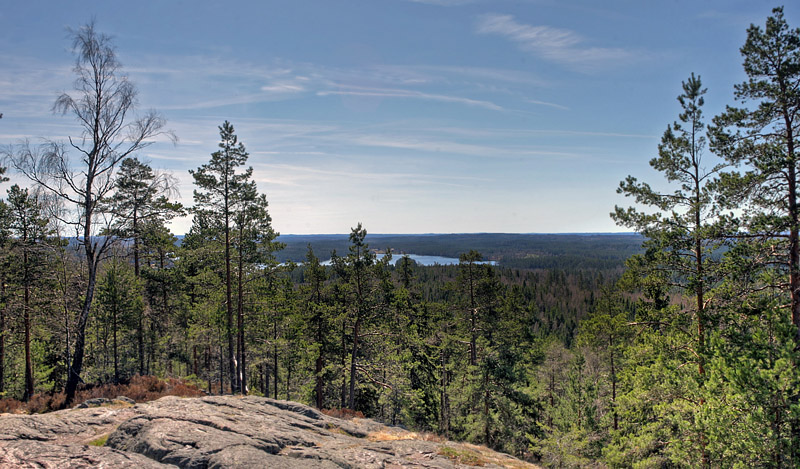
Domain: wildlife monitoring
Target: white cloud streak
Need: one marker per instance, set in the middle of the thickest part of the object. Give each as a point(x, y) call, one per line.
point(397, 93)
point(553, 44)
point(545, 103)
point(445, 3)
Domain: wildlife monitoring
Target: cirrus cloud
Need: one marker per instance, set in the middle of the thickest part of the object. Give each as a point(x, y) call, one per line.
point(553, 44)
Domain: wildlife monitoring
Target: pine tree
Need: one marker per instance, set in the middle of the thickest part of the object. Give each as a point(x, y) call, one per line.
point(764, 139)
point(5, 237)
point(682, 237)
point(316, 314)
point(255, 244)
point(219, 192)
point(140, 205)
point(119, 295)
point(363, 300)
point(29, 231)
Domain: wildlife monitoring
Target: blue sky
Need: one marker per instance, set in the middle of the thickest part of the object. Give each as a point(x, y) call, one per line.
point(410, 116)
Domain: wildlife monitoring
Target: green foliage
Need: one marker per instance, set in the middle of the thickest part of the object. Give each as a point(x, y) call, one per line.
point(119, 296)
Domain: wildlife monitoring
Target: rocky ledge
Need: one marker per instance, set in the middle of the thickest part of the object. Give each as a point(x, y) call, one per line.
point(222, 432)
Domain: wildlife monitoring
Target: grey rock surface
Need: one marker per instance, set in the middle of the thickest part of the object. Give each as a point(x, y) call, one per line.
point(222, 432)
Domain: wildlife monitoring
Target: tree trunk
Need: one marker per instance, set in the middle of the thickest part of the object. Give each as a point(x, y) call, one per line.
point(240, 315)
point(318, 376)
point(319, 364)
point(229, 301)
point(136, 271)
point(80, 333)
point(116, 355)
point(66, 318)
point(195, 367)
point(794, 262)
point(209, 370)
point(473, 343)
point(352, 396)
point(162, 259)
point(444, 425)
point(266, 380)
point(613, 386)
point(263, 374)
point(27, 319)
point(288, 383)
point(140, 340)
point(135, 243)
point(700, 291)
point(275, 363)
point(80, 342)
point(343, 396)
point(486, 398)
point(151, 350)
point(221, 370)
point(3, 335)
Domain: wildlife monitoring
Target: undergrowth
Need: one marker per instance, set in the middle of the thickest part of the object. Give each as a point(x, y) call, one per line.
point(140, 389)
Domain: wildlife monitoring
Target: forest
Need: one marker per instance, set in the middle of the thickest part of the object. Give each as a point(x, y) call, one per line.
point(589, 251)
point(684, 355)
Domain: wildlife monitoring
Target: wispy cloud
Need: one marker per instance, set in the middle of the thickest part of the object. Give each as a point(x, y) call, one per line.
point(449, 74)
point(29, 87)
point(399, 93)
point(545, 103)
point(282, 80)
point(283, 87)
point(440, 146)
point(302, 175)
point(554, 44)
point(446, 3)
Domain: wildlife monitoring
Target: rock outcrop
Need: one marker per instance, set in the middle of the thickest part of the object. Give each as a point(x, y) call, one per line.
point(223, 432)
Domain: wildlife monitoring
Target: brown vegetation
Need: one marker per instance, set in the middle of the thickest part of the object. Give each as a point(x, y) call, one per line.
point(344, 413)
point(140, 389)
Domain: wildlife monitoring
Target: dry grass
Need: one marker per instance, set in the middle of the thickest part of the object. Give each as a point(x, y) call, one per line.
point(345, 414)
point(396, 435)
point(140, 389)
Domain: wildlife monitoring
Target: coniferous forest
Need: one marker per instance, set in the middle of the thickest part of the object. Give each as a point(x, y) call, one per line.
point(684, 355)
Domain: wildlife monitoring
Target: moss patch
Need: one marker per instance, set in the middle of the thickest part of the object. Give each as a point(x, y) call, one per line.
point(100, 441)
point(462, 456)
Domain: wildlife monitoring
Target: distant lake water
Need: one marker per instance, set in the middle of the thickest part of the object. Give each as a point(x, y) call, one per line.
point(425, 260)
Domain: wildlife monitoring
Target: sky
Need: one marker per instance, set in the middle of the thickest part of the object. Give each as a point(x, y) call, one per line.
point(409, 116)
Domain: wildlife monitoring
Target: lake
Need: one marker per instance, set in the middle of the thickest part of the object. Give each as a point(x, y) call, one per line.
point(426, 260)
